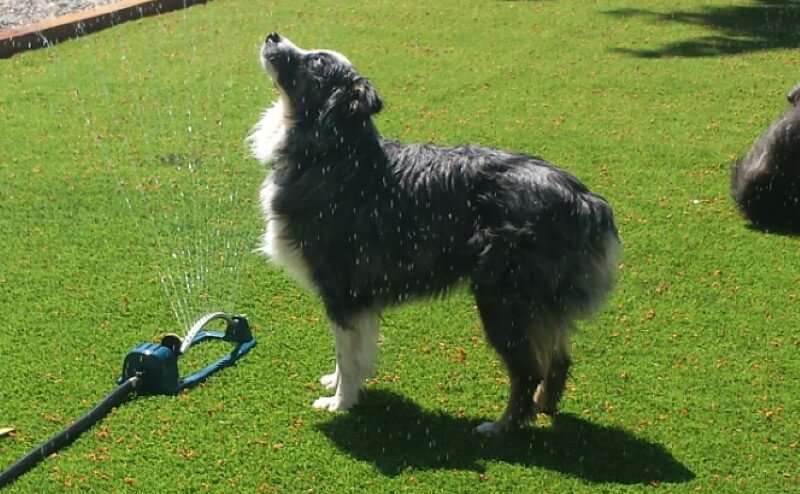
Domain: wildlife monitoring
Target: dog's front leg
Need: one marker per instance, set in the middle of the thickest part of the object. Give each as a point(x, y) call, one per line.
point(330, 381)
point(356, 352)
point(346, 376)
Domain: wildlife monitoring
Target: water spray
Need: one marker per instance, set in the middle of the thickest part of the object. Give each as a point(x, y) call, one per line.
point(149, 369)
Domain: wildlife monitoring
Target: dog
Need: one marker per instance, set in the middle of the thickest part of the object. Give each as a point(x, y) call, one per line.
point(765, 185)
point(368, 223)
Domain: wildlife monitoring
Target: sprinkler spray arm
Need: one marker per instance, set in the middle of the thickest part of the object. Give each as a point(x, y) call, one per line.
point(192, 334)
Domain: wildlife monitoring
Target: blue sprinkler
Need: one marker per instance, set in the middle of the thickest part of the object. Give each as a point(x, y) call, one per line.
point(148, 369)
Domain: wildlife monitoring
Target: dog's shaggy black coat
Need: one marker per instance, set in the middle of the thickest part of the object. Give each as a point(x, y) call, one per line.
point(378, 223)
point(766, 183)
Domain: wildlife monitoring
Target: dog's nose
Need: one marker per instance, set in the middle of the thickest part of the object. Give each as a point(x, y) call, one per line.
point(273, 37)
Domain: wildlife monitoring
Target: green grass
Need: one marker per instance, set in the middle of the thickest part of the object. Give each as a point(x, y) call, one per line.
point(686, 382)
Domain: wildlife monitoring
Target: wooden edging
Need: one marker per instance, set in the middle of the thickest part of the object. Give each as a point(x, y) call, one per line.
point(52, 31)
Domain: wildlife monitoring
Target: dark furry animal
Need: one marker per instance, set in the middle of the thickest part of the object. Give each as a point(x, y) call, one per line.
point(766, 183)
point(368, 223)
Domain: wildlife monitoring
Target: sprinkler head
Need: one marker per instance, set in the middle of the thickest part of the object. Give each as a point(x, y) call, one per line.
point(157, 364)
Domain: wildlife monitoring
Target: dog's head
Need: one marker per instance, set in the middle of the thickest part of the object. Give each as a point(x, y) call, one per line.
point(318, 84)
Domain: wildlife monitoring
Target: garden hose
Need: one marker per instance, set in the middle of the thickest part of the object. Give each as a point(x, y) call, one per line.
point(66, 436)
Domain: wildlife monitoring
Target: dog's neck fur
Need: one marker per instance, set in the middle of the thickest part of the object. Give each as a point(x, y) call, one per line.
point(269, 134)
point(281, 132)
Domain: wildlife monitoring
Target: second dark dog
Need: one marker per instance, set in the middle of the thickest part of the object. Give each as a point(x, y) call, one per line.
point(766, 183)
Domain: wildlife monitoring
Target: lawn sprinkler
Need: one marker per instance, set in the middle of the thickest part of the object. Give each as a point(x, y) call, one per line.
point(149, 369)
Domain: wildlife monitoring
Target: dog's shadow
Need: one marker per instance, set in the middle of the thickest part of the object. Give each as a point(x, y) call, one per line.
point(397, 435)
point(778, 232)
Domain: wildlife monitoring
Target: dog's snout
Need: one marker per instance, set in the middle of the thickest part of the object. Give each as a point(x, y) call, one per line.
point(273, 37)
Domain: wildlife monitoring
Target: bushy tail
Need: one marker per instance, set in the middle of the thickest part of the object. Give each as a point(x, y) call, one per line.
point(563, 263)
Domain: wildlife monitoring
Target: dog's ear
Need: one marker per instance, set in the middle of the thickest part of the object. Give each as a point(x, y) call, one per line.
point(365, 99)
point(794, 96)
point(357, 98)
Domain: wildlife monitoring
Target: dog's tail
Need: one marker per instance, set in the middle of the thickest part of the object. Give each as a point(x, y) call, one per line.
point(588, 273)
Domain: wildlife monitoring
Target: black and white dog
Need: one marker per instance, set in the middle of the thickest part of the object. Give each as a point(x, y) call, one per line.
point(766, 183)
point(367, 223)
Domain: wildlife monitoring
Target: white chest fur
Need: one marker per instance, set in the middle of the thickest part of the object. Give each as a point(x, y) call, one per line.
point(269, 133)
point(277, 243)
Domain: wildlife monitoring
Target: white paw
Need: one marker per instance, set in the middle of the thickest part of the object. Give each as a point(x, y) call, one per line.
point(332, 404)
point(330, 381)
point(490, 429)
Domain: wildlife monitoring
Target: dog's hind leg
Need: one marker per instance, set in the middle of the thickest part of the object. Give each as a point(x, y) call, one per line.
point(508, 332)
point(552, 350)
point(356, 352)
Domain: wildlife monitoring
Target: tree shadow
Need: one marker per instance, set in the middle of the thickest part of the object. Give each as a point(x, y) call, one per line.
point(396, 435)
point(763, 25)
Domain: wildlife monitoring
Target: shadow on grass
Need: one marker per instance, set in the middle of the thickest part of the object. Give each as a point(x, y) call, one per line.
point(395, 434)
point(767, 230)
point(762, 25)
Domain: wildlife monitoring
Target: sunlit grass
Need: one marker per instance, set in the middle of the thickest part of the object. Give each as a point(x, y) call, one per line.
point(687, 380)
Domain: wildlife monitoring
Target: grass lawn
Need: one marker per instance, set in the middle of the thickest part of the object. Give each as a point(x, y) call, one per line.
point(128, 207)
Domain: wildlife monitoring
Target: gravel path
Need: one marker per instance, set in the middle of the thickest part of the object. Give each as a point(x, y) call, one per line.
point(15, 13)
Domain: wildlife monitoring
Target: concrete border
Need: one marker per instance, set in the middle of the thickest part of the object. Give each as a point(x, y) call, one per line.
point(52, 31)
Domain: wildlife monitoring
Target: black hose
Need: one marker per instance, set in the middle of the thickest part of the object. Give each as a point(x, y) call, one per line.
point(69, 434)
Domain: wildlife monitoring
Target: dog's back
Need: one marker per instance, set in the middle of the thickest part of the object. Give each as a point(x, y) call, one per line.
point(477, 210)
